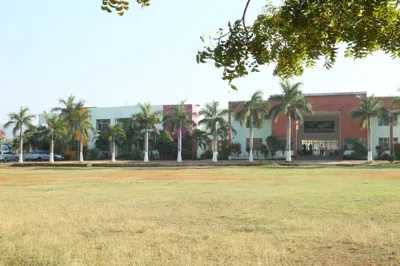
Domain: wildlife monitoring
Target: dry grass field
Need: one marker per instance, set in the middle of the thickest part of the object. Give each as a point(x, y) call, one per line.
point(200, 216)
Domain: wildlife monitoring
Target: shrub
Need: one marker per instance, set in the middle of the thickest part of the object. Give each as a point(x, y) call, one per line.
point(272, 144)
point(391, 158)
point(186, 154)
point(359, 151)
point(94, 154)
point(137, 154)
point(224, 150)
point(206, 155)
point(265, 151)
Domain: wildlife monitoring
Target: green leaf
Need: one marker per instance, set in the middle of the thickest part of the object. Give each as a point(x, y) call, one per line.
point(233, 87)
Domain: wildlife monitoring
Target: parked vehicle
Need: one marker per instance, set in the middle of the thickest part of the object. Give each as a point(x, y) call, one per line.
point(41, 156)
point(7, 156)
point(37, 156)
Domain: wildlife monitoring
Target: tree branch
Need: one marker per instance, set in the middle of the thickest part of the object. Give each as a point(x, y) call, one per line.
point(243, 20)
point(244, 14)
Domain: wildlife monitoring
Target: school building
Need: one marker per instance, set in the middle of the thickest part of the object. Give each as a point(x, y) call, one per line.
point(102, 117)
point(329, 125)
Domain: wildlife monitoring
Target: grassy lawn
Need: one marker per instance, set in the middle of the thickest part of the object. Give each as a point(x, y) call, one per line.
point(207, 216)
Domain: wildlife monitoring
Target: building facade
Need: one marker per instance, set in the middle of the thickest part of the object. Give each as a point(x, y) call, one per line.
point(330, 126)
point(103, 117)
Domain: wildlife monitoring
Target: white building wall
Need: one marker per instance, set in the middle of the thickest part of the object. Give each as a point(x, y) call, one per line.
point(382, 132)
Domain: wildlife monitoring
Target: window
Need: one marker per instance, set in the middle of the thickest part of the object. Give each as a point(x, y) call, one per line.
point(102, 124)
point(257, 143)
point(383, 122)
point(384, 143)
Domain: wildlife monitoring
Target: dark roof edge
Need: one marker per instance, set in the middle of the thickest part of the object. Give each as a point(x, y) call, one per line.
point(336, 93)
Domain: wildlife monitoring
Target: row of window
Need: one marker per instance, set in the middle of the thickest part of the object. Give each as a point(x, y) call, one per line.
point(327, 144)
point(384, 143)
point(385, 122)
point(102, 124)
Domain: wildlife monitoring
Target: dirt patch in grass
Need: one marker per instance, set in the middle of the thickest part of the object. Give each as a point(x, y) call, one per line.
point(163, 175)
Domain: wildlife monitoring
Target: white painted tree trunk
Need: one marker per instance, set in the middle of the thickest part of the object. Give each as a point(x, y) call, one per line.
point(52, 149)
point(215, 149)
point(179, 160)
point(288, 133)
point(21, 146)
point(146, 146)
point(113, 151)
point(251, 140)
point(369, 142)
point(81, 150)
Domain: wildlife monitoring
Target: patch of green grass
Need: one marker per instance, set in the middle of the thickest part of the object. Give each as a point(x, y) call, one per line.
point(192, 216)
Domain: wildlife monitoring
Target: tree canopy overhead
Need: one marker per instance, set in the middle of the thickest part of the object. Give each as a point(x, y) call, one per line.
point(297, 33)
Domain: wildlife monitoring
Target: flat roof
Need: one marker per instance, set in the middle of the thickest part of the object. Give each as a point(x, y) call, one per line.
point(336, 93)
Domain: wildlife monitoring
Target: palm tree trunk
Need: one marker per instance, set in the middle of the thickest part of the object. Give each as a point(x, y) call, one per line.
point(251, 140)
point(369, 141)
point(21, 146)
point(179, 160)
point(52, 149)
point(288, 133)
point(81, 150)
point(113, 151)
point(391, 141)
point(214, 148)
point(146, 146)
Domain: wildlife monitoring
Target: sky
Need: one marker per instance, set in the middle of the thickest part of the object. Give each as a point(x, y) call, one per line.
point(52, 49)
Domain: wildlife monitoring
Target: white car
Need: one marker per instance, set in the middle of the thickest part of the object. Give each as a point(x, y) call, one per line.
point(7, 156)
point(37, 156)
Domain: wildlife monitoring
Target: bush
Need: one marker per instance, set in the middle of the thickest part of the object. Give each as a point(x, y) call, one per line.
point(186, 154)
point(94, 154)
point(206, 155)
point(391, 158)
point(265, 151)
point(272, 143)
point(224, 150)
point(137, 154)
point(359, 151)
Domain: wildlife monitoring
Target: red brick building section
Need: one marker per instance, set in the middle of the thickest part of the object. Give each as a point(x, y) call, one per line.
point(330, 103)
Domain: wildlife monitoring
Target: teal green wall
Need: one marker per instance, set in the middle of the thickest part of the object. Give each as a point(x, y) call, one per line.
point(243, 133)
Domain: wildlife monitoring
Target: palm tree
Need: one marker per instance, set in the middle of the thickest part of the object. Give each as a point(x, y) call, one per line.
point(83, 127)
point(115, 133)
point(177, 118)
point(148, 120)
point(369, 107)
point(291, 103)
point(20, 120)
point(69, 108)
point(55, 128)
point(253, 113)
point(213, 121)
point(391, 114)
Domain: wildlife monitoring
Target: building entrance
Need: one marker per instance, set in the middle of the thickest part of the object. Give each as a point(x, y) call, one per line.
point(313, 147)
